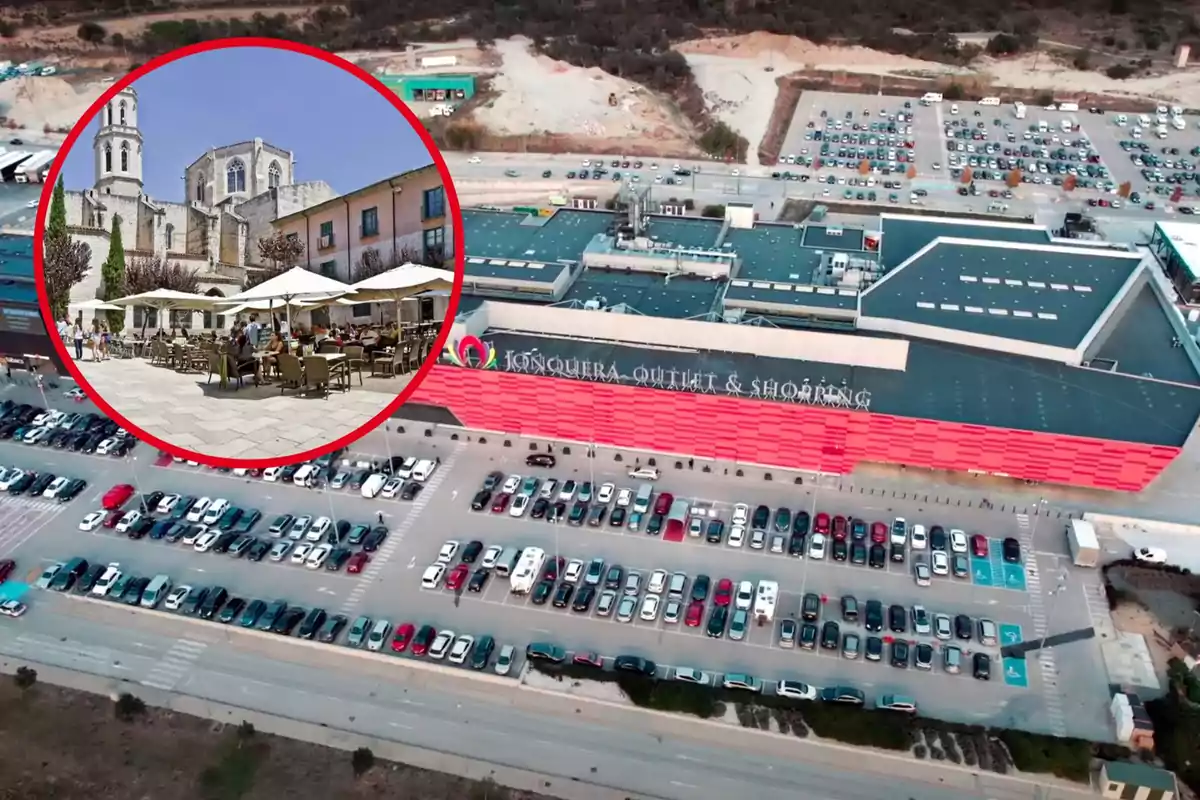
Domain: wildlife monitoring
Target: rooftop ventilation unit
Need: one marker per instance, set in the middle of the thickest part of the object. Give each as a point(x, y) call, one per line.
point(595, 303)
point(734, 316)
point(834, 230)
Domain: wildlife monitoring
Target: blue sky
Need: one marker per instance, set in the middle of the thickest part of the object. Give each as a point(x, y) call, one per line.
point(340, 129)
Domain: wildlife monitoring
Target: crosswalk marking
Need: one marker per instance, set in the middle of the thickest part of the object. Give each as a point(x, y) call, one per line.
point(396, 537)
point(175, 664)
point(22, 517)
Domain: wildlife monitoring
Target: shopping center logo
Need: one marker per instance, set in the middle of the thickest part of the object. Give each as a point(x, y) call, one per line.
point(471, 351)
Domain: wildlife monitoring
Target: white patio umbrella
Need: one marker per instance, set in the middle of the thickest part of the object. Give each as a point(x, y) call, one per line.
point(401, 282)
point(97, 305)
point(167, 300)
point(297, 283)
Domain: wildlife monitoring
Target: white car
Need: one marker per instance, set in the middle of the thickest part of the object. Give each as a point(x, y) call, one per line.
point(305, 474)
point(299, 526)
point(272, 473)
point(279, 551)
point(11, 477)
point(511, 484)
point(56, 486)
point(167, 504)
point(737, 536)
point(567, 493)
point(461, 649)
point(899, 531)
point(206, 541)
point(448, 551)
point(644, 473)
point(175, 599)
point(491, 556)
point(574, 571)
point(441, 644)
point(658, 582)
point(316, 559)
point(624, 498)
point(741, 514)
point(918, 537)
point(111, 575)
point(392, 488)
point(942, 627)
point(130, 519)
point(378, 635)
point(504, 661)
point(605, 495)
point(106, 447)
point(758, 539)
point(194, 533)
point(1150, 555)
point(43, 581)
point(474, 160)
point(196, 512)
point(958, 541)
point(519, 505)
point(816, 546)
point(374, 485)
point(91, 521)
point(921, 574)
point(796, 690)
point(318, 530)
point(432, 578)
point(744, 597)
point(300, 552)
point(940, 563)
point(216, 511)
point(650, 604)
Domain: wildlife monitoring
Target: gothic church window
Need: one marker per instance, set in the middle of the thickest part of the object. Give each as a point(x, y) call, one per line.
point(274, 175)
point(122, 112)
point(108, 158)
point(170, 237)
point(124, 156)
point(235, 177)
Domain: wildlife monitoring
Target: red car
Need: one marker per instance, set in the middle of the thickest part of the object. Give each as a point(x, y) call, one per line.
point(724, 593)
point(358, 562)
point(6, 568)
point(662, 505)
point(822, 523)
point(500, 503)
point(116, 496)
point(839, 528)
point(457, 577)
point(879, 532)
point(979, 545)
point(404, 635)
point(423, 639)
point(113, 518)
point(695, 614)
point(588, 660)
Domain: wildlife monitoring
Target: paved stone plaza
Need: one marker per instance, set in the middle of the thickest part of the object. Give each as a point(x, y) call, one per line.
point(185, 410)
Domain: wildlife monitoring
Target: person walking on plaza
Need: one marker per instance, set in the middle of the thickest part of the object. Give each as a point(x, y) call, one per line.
point(77, 335)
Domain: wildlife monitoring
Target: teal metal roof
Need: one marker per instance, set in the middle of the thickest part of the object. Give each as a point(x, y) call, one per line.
point(1140, 775)
point(904, 236)
point(517, 236)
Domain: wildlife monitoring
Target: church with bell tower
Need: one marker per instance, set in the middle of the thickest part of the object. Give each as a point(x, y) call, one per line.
point(118, 147)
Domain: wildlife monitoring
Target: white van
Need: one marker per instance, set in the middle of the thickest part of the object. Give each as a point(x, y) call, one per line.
point(990, 101)
point(406, 468)
point(954, 108)
point(159, 588)
point(1068, 106)
point(216, 511)
point(1177, 123)
point(424, 469)
point(1161, 131)
point(304, 475)
point(931, 97)
point(1122, 119)
point(641, 503)
point(374, 484)
point(1144, 120)
point(1042, 126)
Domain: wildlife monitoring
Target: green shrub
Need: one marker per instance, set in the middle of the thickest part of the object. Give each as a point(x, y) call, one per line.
point(1065, 757)
point(128, 706)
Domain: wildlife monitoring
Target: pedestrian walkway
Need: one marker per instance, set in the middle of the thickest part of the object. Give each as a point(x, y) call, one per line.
point(176, 663)
point(191, 411)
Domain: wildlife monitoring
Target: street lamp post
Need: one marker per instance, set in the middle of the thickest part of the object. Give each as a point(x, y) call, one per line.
point(1050, 595)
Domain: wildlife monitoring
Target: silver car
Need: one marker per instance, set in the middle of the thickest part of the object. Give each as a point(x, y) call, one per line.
point(604, 606)
point(758, 539)
point(942, 627)
point(672, 611)
point(633, 583)
point(626, 608)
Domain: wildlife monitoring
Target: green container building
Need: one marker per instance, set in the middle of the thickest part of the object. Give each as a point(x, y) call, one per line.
point(431, 88)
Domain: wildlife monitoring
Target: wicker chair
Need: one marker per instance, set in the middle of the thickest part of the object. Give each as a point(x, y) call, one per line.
point(329, 346)
point(355, 359)
point(214, 364)
point(317, 375)
point(239, 371)
point(291, 372)
point(388, 366)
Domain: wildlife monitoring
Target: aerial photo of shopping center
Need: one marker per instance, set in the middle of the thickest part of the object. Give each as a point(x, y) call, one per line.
point(863, 471)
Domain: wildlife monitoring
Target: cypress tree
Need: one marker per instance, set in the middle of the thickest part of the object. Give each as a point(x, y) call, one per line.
point(112, 275)
point(56, 224)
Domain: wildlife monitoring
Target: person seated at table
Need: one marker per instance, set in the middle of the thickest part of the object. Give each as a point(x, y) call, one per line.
point(274, 347)
point(243, 354)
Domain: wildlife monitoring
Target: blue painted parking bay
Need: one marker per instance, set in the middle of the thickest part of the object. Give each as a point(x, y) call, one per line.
point(13, 590)
point(994, 571)
point(1016, 671)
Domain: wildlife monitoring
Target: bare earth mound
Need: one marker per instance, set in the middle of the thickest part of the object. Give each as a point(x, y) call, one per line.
point(35, 103)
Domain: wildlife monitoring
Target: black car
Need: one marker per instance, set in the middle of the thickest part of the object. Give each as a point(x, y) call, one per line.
point(258, 550)
point(878, 556)
point(159, 529)
point(249, 518)
point(356, 536)
point(849, 608)
point(700, 587)
point(288, 621)
point(873, 616)
point(858, 553)
point(539, 509)
point(583, 599)
point(897, 552)
point(717, 620)
point(899, 654)
point(224, 542)
point(596, 516)
point(182, 506)
point(617, 518)
point(840, 550)
point(492, 481)
point(72, 490)
point(312, 623)
point(1012, 551)
point(715, 533)
point(410, 490)
point(810, 607)
point(151, 500)
point(374, 540)
point(800, 523)
point(195, 599)
point(471, 552)
point(642, 666)
point(479, 579)
point(41, 484)
point(540, 460)
point(858, 530)
point(981, 666)
point(761, 518)
point(831, 635)
point(962, 627)
point(579, 511)
point(655, 525)
point(562, 597)
point(133, 591)
point(923, 656)
point(783, 519)
point(612, 580)
point(332, 627)
point(937, 538)
point(337, 558)
point(232, 609)
point(481, 500)
point(289, 472)
point(897, 618)
point(873, 651)
point(140, 528)
point(88, 579)
point(808, 636)
point(213, 601)
point(541, 592)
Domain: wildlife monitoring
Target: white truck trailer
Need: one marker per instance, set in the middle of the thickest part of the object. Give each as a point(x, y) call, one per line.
point(528, 570)
point(1083, 543)
point(765, 600)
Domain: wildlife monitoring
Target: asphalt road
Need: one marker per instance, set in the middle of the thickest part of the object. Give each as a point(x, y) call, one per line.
point(651, 755)
point(390, 587)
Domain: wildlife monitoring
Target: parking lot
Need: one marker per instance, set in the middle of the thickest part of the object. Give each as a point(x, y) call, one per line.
point(390, 587)
point(1153, 166)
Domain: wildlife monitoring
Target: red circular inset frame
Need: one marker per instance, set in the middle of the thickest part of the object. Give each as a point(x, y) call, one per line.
point(221, 44)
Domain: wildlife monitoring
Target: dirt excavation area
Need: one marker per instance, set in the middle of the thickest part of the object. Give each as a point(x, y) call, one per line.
point(46, 104)
point(67, 745)
point(538, 95)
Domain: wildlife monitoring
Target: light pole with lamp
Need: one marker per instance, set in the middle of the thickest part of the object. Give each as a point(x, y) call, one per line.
point(1050, 595)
